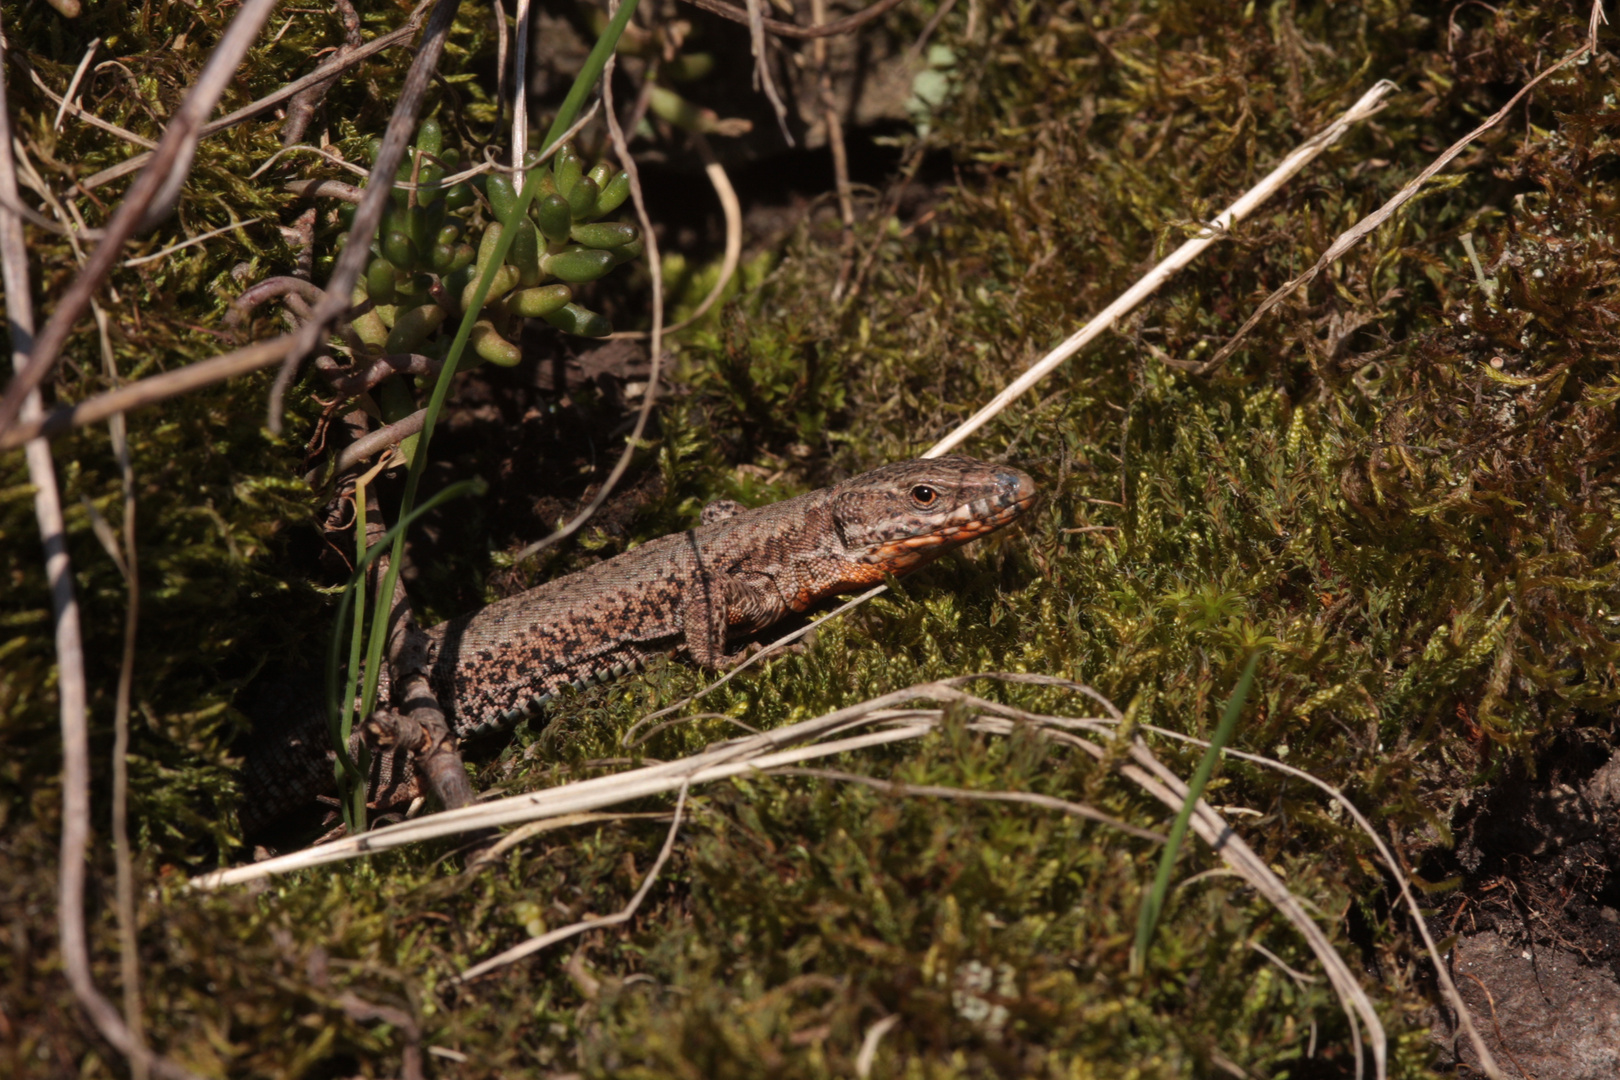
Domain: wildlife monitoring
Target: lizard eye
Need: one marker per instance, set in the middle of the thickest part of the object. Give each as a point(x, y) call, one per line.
point(923, 495)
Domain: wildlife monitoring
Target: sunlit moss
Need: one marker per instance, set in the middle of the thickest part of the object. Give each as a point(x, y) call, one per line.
point(1403, 486)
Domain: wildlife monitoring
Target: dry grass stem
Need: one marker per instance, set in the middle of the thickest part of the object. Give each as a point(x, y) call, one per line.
point(1352, 236)
point(763, 78)
point(1448, 986)
point(252, 358)
point(840, 155)
point(67, 106)
point(731, 209)
point(73, 83)
point(523, 834)
point(148, 199)
point(936, 791)
point(621, 148)
point(847, 24)
point(520, 83)
point(71, 690)
point(126, 556)
point(1249, 202)
point(624, 915)
point(195, 240)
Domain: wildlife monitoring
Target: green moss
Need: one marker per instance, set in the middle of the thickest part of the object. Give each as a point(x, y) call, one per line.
point(1403, 483)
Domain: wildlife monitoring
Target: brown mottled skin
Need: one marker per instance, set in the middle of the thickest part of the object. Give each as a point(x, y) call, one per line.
point(735, 574)
point(732, 576)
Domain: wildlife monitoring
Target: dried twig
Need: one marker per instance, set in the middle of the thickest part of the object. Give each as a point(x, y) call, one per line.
point(195, 240)
point(520, 84)
point(407, 30)
point(72, 694)
point(792, 30)
point(621, 147)
point(374, 442)
point(1250, 201)
point(148, 200)
point(731, 209)
point(129, 960)
point(762, 66)
point(67, 106)
point(936, 791)
point(73, 83)
point(1352, 236)
point(840, 156)
point(624, 915)
point(301, 109)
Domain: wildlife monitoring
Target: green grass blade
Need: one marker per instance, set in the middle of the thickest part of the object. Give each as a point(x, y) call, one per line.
point(587, 78)
point(1148, 918)
point(352, 774)
point(594, 63)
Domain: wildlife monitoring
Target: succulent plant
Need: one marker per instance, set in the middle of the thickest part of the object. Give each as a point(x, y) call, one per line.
point(436, 241)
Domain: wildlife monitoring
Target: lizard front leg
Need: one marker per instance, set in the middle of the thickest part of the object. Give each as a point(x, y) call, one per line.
point(717, 604)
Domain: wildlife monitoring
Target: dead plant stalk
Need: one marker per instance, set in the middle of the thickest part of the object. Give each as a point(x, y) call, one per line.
point(72, 693)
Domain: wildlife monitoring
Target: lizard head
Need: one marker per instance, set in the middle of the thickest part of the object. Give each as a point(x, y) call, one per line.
point(897, 518)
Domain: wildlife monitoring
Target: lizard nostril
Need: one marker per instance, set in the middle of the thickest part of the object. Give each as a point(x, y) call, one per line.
point(1016, 483)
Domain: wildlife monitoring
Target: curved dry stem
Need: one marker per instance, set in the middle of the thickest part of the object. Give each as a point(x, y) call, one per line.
point(148, 200)
point(938, 791)
point(72, 691)
point(624, 915)
point(731, 208)
point(655, 271)
point(845, 25)
point(1354, 235)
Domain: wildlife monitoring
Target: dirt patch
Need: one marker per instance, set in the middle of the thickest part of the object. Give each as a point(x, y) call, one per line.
point(1537, 957)
point(1545, 1011)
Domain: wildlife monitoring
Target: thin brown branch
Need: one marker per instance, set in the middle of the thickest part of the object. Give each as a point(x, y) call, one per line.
point(301, 109)
point(762, 66)
point(793, 30)
point(325, 189)
point(520, 85)
point(73, 83)
point(152, 193)
point(129, 960)
point(840, 156)
point(374, 442)
point(66, 106)
point(361, 379)
point(731, 210)
point(1354, 235)
point(624, 915)
point(397, 37)
point(72, 694)
point(150, 391)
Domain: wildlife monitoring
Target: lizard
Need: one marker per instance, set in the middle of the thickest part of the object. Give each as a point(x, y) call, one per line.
point(737, 573)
